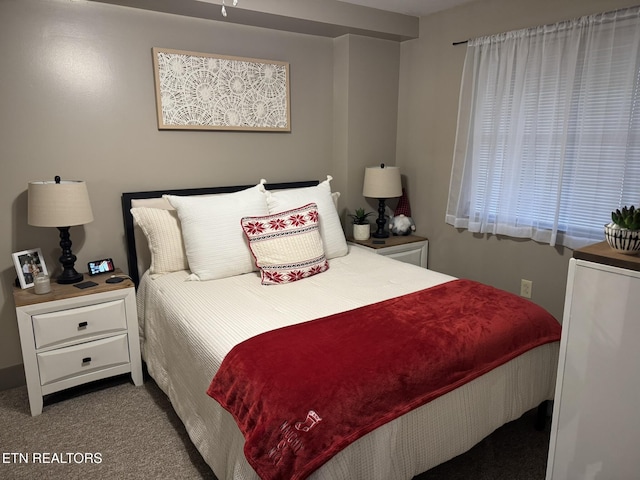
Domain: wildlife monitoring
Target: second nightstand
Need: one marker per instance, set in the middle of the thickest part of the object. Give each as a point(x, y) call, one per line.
point(71, 336)
point(407, 248)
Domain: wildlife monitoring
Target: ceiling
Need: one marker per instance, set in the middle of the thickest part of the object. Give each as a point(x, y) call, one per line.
point(416, 8)
point(396, 20)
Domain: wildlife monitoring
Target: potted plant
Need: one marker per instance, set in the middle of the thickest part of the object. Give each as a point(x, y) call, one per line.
point(361, 228)
point(623, 233)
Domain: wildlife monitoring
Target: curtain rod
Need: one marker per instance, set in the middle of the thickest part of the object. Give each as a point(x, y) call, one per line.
point(594, 15)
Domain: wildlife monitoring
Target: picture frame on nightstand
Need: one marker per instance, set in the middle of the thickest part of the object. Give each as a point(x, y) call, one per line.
point(29, 263)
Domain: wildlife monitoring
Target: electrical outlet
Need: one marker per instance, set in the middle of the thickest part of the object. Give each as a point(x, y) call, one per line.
point(525, 288)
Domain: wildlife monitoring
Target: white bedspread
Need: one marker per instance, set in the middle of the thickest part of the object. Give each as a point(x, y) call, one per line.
point(188, 327)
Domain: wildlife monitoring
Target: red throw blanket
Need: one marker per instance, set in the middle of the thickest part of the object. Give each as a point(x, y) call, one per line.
point(300, 394)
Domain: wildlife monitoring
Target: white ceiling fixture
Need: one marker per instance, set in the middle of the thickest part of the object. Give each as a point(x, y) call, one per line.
point(224, 9)
point(416, 8)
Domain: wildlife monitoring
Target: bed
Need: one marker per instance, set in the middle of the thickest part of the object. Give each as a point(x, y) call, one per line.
point(190, 322)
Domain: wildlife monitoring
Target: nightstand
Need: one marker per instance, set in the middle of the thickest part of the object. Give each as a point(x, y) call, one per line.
point(405, 248)
point(72, 336)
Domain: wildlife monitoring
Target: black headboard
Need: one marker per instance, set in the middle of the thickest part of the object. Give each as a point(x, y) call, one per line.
point(132, 257)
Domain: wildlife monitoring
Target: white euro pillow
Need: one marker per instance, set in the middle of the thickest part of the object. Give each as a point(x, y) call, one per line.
point(213, 237)
point(333, 239)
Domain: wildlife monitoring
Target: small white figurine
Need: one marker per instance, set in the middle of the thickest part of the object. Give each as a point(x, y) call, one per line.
point(402, 223)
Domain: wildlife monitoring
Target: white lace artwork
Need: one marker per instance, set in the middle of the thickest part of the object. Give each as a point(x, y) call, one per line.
point(215, 92)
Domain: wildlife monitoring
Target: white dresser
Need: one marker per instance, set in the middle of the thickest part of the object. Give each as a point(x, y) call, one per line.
point(595, 431)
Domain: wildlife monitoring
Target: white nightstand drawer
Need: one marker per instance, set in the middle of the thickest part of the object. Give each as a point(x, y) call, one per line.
point(412, 256)
point(83, 358)
point(408, 248)
point(83, 323)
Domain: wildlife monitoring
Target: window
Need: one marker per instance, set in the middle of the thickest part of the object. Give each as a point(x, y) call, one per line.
point(548, 139)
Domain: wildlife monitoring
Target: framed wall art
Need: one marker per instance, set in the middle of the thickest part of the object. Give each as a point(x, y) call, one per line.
point(202, 91)
point(29, 263)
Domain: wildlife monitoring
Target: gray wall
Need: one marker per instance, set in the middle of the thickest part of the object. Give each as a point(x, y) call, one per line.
point(77, 100)
point(366, 104)
point(430, 74)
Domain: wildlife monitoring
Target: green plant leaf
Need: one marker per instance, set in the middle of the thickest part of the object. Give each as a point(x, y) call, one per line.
point(628, 217)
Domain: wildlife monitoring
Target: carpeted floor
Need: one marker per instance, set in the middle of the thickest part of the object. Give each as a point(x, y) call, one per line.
point(114, 430)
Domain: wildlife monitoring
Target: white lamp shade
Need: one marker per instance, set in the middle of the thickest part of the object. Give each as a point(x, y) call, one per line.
point(63, 204)
point(382, 182)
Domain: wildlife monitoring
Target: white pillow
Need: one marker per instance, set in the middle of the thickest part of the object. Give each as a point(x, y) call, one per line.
point(287, 245)
point(335, 196)
point(213, 238)
point(164, 238)
point(333, 239)
point(143, 254)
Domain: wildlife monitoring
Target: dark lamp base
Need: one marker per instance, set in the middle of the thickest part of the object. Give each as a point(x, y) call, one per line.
point(380, 221)
point(69, 276)
point(67, 259)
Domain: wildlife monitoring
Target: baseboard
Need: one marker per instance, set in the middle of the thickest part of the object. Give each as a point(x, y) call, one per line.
point(12, 377)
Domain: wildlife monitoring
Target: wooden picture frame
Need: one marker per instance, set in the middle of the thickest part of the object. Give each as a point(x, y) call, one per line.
point(29, 263)
point(202, 91)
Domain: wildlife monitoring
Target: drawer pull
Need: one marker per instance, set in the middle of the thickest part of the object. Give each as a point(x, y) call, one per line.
point(86, 360)
point(82, 325)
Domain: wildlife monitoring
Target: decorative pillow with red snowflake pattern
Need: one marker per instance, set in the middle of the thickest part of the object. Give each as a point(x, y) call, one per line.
point(287, 246)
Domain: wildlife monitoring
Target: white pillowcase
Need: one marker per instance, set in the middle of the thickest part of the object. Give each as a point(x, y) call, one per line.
point(213, 238)
point(333, 239)
point(164, 238)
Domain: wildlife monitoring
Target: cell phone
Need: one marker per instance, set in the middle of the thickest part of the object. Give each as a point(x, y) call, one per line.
point(101, 266)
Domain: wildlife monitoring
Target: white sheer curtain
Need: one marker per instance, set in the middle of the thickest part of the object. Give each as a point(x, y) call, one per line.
point(548, 139)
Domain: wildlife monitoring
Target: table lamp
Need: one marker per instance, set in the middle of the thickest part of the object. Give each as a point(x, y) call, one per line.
point(381, 182)
point(60, 204)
